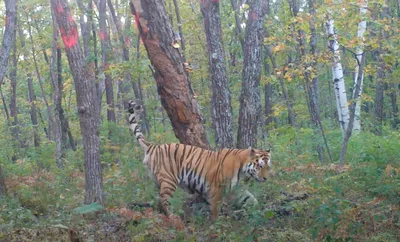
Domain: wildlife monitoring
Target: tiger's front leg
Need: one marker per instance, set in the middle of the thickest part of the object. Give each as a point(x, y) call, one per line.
point(167, 189)
point(215, 202)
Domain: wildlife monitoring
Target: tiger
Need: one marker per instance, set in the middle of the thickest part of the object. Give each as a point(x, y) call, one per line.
point(204, 172)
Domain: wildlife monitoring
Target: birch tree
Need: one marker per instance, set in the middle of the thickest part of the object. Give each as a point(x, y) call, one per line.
point(338, 78)
point(359, 51)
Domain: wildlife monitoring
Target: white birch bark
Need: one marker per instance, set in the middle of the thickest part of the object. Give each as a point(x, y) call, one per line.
point(359, 50)
point(338, 79)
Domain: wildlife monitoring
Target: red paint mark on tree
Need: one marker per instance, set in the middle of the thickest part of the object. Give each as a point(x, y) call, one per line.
point(59, 8)
point(254, 15)
point(7, 21)
point(70, 18)
point(142, 29)
point(70, 38)
point(127, 41)
point(102, 35)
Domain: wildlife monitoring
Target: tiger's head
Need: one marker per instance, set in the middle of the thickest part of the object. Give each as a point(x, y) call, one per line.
point(258, 164)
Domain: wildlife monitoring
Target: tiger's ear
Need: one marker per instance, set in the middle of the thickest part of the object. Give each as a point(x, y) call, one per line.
point(269, 150)
point(251, 151)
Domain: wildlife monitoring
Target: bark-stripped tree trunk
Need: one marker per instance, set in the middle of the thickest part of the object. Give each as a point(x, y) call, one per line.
point(250, 101)
point(172, 80)
point(105, 54)
point(359, 51)
point(7, 45)
point(338, 79)
point(44, 96)
point(85, 98)
point(221, 98)
point(32, 100)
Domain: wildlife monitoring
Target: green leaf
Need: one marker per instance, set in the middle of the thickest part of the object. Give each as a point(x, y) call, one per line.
point(88, 208)
point(269, 214)
point(60, 226)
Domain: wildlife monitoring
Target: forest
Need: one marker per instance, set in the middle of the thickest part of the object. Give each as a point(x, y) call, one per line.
point(313, 82)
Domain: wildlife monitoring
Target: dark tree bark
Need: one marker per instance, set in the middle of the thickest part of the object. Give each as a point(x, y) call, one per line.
point(179, 22)
point(59, 136)
point(8, 36)
point(238, 27)
point(86, 100)
point(3, 188)
point(13, 100)
point(44, 97)
point(32, 100)
point(139, 92)
point(380, 83)
point(250, 101)
point(65, 130)
point(221, 97)
point(124, 86)
point(7, 45)
point(4, 105)
point(395, 107)
point(105, 54)
point(310, 75)
point(172, 80)
point(267, 87)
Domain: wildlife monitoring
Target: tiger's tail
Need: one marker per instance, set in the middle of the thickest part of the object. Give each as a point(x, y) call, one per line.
point(134, 119)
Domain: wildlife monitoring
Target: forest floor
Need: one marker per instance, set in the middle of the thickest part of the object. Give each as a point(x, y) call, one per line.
point(298, 203)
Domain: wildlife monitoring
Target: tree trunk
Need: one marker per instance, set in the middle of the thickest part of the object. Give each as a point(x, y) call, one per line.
point(48, 108)
point(59, 136)
point(359, 51)
point(65, 130)
point(4, 105)
point(105, 54)
point(139, 90)
point(7, 45)
point(238, 26)
point(395, 107)
point(172, 80)
point(3, 188)
point(32, 100)
point(250, 101)
point(8, 36)
point(221, 98)
point(380, 82)
point(124, 43)
point(310, 75)
point(86, 101)
point(179, 22)
point(13, 102)
point(352, 113)
point(338, 79)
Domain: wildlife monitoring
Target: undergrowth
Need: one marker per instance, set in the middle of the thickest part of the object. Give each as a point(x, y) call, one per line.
point(303, 200)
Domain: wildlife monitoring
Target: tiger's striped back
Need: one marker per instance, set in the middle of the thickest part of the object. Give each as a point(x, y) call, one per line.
point(195, 169)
